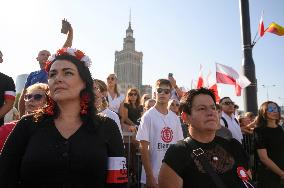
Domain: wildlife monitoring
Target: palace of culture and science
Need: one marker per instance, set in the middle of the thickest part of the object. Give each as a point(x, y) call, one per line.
point(128, 66)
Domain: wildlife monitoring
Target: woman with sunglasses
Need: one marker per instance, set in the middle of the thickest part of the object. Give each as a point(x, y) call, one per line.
point(35, 98)
point(173, 105)
point(114, 98)
point(66, 144)
point(269, 139)
point(130, 112)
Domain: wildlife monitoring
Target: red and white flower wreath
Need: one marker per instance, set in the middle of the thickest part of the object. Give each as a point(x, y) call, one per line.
point(78, 54)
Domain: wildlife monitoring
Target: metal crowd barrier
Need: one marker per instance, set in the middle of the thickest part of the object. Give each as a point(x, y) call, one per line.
point(127, 138)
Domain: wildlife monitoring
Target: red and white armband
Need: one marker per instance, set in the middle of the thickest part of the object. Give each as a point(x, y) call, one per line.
point(117, 170)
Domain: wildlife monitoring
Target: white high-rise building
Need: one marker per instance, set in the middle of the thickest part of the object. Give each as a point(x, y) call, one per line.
point(20, 82)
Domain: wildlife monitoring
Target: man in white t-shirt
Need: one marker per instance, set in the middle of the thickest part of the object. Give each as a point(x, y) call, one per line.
point(228, 118)
point(159, 128)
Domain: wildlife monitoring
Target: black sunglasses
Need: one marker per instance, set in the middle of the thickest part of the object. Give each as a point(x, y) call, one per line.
point(132, 94)
point(36, 97)
point(228, 103)
point(166, 91)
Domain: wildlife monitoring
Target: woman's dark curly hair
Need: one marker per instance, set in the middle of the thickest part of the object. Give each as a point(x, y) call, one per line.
point(86, 76)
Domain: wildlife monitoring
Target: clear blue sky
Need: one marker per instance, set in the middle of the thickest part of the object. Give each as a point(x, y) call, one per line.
point(174, 35)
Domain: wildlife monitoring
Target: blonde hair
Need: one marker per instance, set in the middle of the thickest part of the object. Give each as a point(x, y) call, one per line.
point(115, 87)
point(38, 86)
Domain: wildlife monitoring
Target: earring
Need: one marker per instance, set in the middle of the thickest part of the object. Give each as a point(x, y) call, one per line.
point(183, 117)
point(84, 104)
point(49, 109)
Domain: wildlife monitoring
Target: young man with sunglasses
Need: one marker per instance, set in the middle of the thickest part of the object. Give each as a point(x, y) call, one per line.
point(7, 93)
point(159, 128)
point(228, 118)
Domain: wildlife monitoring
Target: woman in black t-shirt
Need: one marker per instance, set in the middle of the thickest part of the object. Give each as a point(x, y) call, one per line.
point(269, 139)
point(66, 144)
point(184, 164)
point(131, 110)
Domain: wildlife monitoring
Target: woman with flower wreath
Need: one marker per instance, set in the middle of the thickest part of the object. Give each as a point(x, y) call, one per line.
point(66, 144)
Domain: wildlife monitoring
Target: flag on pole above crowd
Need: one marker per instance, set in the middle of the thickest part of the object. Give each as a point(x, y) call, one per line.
point(227, 75)
point(275, 29)
point(261, 26)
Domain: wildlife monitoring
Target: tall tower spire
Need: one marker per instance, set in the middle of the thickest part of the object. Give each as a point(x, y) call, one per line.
point(129, 41)
point(130, 17)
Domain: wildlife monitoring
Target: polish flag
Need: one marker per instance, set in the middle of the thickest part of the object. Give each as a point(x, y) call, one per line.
point(227, 75)
point(261, 26)
point(200, 81)
point(211, 84)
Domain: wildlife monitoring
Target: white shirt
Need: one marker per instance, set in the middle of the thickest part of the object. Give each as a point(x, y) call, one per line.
point(114, 103)
point(10, 115)
point(233, 126)
point(110, 114)
point(160, 131)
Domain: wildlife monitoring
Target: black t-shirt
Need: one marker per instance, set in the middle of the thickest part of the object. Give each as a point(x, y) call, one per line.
point(230, 155)
point(6, 84)
point(37, 155)
point(271, 139)
point(134, 113)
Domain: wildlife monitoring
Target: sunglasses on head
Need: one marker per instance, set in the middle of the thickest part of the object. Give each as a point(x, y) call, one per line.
point(132, 94)
point(272, 109)
point(111, 78)
point(166, 91)
point(228, 103)
point(36, 97)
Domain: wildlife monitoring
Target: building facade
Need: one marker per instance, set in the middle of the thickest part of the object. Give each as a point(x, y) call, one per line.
point(20, 82)
point(128, 64)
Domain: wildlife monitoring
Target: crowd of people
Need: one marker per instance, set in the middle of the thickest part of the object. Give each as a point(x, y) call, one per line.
point(74, 130)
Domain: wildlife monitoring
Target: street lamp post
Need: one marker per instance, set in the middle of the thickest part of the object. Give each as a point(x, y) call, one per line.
point(267, 86)
point(248, 67)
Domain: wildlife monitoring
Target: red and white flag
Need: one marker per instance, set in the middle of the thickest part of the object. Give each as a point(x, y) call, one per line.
point(227, 75)
point(261, 26)
point(200, 81)
point(211, 84)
